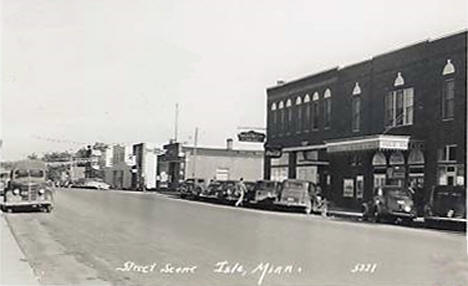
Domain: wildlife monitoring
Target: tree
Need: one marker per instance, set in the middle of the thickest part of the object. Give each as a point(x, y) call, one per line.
point(33, 156)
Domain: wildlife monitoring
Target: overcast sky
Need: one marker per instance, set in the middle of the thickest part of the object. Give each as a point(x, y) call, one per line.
point(113, 70)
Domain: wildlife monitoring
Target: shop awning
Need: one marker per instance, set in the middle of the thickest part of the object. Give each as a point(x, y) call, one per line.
point(373, 142)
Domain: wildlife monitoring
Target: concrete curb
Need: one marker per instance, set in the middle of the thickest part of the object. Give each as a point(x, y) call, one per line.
point(14, 267)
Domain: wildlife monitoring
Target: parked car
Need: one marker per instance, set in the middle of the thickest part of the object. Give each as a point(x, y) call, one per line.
point(393, 203)
point(91, 183)
point(446, 205)
point(4, 178)
point(296, 194)
point(264, 193)
point(214, 190)
point(28, 187)
point(192, 188)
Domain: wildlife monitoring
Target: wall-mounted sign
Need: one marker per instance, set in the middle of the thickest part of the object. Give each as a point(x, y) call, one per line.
point(251, 136)
point(273, 151)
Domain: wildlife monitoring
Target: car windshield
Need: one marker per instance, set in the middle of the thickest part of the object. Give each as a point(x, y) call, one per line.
point(295, 185)
point(36, 173)
point(21, 174)
point(397, 193)
point(265, 185)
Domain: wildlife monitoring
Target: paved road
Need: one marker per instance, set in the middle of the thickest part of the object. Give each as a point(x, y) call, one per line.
point(94, 237)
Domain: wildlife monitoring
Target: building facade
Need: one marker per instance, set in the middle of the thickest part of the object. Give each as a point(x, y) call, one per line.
point(181, 162)
point(398, 118)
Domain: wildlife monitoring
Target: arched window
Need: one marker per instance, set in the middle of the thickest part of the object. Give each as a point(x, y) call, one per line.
point(379, 159)
point(327, 108)
point(416, 156)
point(298, 114)
point(273, 107)
point(289, 115)
point(315, 111)
point(449, 68)
point(306, 109)
point(356, 89)
point(281, 116)
point(399, 80)
point(272, 119)
point(397, 158)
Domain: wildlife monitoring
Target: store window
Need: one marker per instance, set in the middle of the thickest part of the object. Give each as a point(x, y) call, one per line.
point(448, 99)
point(399, 107)
point(315, 111)
point(356, 113)
point(327, 108)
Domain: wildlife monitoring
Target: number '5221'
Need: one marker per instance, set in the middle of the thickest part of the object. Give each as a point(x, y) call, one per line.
point(367, 268)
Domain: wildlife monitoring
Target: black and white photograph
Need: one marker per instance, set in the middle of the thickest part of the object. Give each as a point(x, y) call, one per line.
point(237, 143)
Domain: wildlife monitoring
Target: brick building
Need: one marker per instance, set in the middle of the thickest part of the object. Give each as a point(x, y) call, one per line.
point(397, 118)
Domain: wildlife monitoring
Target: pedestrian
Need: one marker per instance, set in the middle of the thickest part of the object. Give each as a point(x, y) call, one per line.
point(242, 190)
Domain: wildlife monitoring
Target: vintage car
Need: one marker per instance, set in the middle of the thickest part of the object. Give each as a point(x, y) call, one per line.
point(264, 193)
point(4, 178)
point(28, 187)
point(214, 190)
point(296, 194)
point(231, 193)
point(192, 188)
point(446, 205)
point(90, 183)
point(394, 203)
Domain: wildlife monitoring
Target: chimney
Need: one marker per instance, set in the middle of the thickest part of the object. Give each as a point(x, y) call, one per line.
point(280, 82)
point(229, 143)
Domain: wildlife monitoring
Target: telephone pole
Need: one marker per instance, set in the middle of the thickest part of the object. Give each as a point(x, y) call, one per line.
point(195, 143)
point(176, 121)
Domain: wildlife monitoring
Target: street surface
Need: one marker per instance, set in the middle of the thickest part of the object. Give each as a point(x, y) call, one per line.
point(124, 238)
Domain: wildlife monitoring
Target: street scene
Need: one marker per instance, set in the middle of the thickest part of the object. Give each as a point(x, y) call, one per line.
point(114, 238)
point(234, 143)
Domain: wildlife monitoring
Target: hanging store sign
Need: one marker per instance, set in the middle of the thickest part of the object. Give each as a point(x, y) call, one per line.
point(273, 151)
point(251, 136)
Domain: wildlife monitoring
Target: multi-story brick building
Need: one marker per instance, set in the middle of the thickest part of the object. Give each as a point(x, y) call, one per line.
point(397, 118)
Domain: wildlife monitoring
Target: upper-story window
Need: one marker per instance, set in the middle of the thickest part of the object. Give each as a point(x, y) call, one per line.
point(315, 111)
point(327, 108)
point(289, 119)
point(281, 117)
point(399, 105)
point(273, 119)
point(448, 153)
point(299, 114)
point(448, 91)
point(306, 109)
point(356, 108)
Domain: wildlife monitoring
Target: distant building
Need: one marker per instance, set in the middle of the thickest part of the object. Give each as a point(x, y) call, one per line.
point(119, 174)
point(182, 162)
point(144, 172)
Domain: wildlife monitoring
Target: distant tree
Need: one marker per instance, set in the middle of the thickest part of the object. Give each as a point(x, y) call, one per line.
point(100, 146)
point(33, 156)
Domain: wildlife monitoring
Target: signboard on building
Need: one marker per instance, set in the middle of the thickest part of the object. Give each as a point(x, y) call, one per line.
point(273, 151)
point(251, 136)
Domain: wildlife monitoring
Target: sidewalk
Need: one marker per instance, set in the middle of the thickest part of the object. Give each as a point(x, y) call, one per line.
point(338, 212)
point(14, 268)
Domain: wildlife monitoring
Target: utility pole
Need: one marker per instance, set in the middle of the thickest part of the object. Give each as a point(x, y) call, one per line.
point(195, 143)
point(176, 122)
